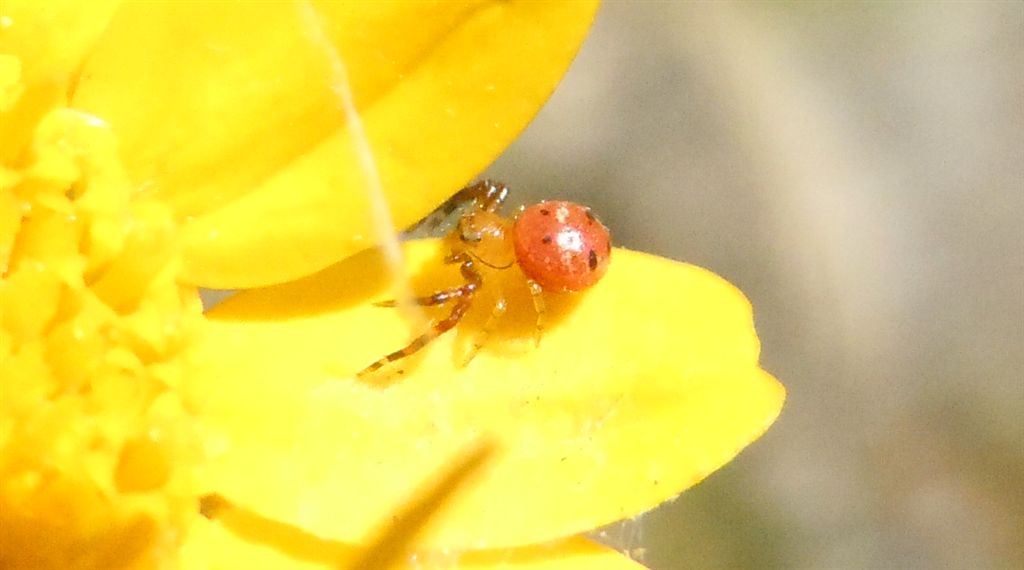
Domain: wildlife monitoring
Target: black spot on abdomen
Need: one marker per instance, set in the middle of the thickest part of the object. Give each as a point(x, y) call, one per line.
point(592, 261)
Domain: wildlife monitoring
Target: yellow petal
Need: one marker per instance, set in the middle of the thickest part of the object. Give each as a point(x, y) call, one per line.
point(238, 534)
point(51, 38)
point(210, 546)
point(640, 388)
point(42, 45)
point(228, 113)
point(573, 554)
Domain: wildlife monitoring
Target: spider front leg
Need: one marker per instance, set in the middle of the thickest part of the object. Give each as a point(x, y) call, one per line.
point(489, 195)
point(463, 301)
point(438, 298)
point(537, 294)
point(498, 311)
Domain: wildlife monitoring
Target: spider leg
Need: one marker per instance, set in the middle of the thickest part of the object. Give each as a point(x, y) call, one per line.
point(454, 258)
point(486, 194)
point(497, 312)
point(537, 294)
point(440, 297)
point(437, 328)
point(489, 195)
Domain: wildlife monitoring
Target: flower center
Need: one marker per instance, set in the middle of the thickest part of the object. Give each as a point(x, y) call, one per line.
point(95, 445)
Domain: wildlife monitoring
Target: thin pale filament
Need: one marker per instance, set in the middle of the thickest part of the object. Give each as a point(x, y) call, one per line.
point(387, 234)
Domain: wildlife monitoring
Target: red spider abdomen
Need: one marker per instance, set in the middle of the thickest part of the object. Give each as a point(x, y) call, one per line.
point(561, 246)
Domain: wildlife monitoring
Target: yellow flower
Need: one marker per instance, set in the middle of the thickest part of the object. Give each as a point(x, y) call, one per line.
point(148, 149)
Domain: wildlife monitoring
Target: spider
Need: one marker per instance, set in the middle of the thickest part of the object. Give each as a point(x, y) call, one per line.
point(559, 246)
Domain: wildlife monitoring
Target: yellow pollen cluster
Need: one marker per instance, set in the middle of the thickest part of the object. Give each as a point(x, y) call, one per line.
point(95, 444)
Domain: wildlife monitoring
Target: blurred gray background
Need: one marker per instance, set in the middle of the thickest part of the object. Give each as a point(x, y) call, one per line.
point(858, 171)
